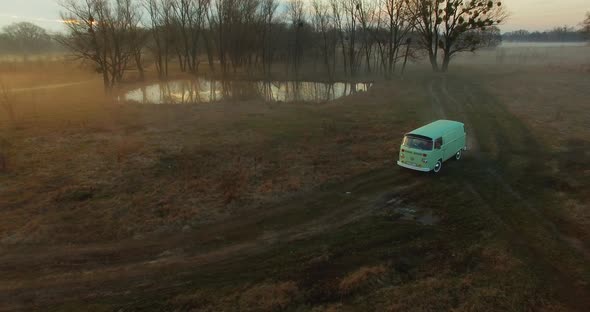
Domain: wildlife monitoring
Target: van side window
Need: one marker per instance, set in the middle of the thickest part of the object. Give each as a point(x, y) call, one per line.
point(438, 143)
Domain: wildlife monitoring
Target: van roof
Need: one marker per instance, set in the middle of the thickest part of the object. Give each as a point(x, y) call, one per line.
point(436, 129)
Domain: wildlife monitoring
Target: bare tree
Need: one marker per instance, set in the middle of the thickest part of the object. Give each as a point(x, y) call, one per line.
point(449, 25)
point(399, 23)
point(99, 31)
point(246, 44)
point(136, 36)
point(250, 36)
point(189, 18)
point(350, 27)
point(236, 26)
point(366, 14)
point(323, 24)
point(297, 19)
point(427, 17)
point(267, 16)
point(219, 20)
point(208, 39)
point(337, 13)
point(159, 17)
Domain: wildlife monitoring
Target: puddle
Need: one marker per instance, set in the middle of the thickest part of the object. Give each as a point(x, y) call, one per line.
point(428, 218)
point(397, 209)
point(422, 216)
point(203, 91)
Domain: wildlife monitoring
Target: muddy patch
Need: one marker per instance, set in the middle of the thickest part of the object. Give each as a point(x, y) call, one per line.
point(395, 208)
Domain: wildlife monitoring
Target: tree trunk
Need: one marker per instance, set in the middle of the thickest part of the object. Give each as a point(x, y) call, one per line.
point(209, 50)
point(406, 58)
point(446, 61)
point(159, 67)
point(344, 59)
point(166, 56)
point(158, 61)
point(433, 61)
point(139, 65)
point(368, 57)
point(106, 81)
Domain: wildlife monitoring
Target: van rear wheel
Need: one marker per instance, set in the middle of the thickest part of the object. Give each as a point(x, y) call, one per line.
point(458, 155)
point(437, 166)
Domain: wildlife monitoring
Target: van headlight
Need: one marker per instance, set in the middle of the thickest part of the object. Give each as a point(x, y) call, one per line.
point(425, 161)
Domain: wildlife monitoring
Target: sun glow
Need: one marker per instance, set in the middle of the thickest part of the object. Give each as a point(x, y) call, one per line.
point(77, 22)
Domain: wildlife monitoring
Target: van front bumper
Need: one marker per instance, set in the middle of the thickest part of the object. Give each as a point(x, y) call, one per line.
point(401, 164)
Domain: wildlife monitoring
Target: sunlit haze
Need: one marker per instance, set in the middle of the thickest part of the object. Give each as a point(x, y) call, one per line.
point(525, 14)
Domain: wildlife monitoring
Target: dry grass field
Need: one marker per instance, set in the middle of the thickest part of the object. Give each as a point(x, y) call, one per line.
point(253, 206)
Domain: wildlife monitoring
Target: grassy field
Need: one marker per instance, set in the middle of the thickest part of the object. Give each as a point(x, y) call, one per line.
point(250, 206)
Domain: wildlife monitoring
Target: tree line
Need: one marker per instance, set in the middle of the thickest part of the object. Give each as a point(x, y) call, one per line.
point(345, 37)
point(25, 39)
point(586, 26)
point(557, 34)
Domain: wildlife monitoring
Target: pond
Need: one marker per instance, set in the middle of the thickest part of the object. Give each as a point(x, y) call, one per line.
point(204, 91)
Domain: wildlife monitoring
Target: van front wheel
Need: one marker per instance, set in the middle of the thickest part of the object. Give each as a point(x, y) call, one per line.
point(437, 166)
point(458, 155)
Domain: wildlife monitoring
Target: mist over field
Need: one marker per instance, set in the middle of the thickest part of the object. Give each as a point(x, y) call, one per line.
point(242, 155)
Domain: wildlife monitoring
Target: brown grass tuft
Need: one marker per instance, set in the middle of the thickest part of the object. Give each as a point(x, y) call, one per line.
point(269, 297)
point(194, 300)
point(6, 101)
point(329, 308)
point(127, 146)
point(294, 183)
point(361, 278)
point(4, 146)
point(234, 182)
point(319, 260)
point(360, 151)
point(499, 259)
point(266, 187)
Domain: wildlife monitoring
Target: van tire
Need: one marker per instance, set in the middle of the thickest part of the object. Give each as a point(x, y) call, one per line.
point(458, 155)
point(437, 166)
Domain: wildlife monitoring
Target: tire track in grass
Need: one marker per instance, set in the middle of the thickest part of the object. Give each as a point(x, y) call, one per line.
point(518, 214)
point(66, 284)
point(435, 102)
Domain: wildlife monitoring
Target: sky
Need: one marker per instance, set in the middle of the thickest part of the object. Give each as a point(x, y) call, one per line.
point(524, 14)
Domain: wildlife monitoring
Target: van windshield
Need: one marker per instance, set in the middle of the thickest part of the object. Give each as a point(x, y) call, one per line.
point(417, 143)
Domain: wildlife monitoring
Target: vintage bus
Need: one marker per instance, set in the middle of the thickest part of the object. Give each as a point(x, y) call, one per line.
point(426, 148)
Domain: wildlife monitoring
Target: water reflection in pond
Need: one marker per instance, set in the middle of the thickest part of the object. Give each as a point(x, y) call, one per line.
point(202, 90)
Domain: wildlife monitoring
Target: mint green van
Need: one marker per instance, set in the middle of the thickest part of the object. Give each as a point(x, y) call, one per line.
point(426, 148)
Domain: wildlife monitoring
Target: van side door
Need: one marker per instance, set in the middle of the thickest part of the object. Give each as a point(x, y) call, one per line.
point(439, 147)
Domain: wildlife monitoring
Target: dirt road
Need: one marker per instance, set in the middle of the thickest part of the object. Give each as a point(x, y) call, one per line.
point(51, 86)
point(511, 176)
